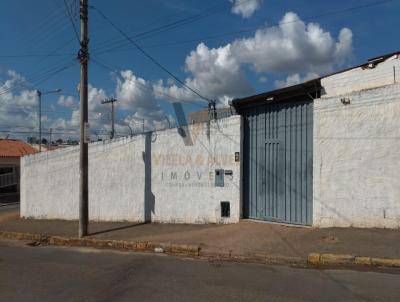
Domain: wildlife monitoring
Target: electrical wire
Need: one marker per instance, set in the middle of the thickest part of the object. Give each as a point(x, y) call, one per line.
point(38, 79)
point(151, 58)
point(42, 26)
point(72, 20)
point(48, 35)
point(38, 55)
point(140, 85)
point(172, 25)
point(62, 46)
point(251, 29)
point(25, 83)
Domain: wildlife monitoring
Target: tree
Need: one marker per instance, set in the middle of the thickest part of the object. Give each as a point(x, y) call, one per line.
point(59, 141)
point(44, 141)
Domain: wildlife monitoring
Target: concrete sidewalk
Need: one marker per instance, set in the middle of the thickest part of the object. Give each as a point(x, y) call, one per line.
point(246, 238)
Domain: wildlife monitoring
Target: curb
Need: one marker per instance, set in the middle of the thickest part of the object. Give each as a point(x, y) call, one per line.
point(121, 245)
point(317, 260)
point(192, 251)
point(255, 258)
point(320, 260)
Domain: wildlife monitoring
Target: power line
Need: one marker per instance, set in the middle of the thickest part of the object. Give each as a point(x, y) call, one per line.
point(72, 20)
point(26, 128)
point(56, 114)
point(51, 26)
point(39, 72)
point(72, 132)
point(46, 35)
point(38, 79)
point(251, 29)
point(140, 85)
point(37, 55)
point(19, 83)
point(205, 13)
point(54, 51)
point(44, 25)
point(152, 58)
point(349, 9)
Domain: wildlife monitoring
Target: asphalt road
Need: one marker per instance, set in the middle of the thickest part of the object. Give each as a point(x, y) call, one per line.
point(45, 273)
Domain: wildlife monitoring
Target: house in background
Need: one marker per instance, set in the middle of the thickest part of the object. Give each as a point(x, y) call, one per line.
point(206, 115)
point(11, 152)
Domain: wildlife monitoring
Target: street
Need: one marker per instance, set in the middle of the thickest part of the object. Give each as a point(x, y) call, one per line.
point(45, 273)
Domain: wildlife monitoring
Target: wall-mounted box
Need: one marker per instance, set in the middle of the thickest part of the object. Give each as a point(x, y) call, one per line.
point(219, 177)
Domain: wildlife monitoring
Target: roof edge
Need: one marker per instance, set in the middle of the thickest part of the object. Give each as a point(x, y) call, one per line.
point(309, 89)
point(306, 88)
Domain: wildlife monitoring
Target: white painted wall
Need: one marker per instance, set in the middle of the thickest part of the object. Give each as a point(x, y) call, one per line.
point(357, 79)
point(154, 176)
point(357, 154)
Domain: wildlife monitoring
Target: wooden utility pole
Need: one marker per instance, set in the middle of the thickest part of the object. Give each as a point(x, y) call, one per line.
point(84, 131)
point(112, 101)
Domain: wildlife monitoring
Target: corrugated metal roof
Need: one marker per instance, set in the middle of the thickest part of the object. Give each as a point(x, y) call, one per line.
point(15, 148)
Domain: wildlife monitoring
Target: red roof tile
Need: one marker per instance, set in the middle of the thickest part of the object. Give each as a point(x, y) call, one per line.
point(15, 148)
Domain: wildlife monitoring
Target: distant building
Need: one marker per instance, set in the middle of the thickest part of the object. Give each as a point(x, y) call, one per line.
point(11, 152)
point(205, 115)
point(32, 140)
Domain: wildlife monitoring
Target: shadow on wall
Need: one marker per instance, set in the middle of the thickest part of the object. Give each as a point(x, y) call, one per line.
point(184, 132)
point(149, 199)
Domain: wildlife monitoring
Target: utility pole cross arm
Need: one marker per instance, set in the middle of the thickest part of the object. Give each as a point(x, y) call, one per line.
point(111, 101)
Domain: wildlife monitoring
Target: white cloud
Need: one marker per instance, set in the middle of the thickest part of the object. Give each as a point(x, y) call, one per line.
point(67, 101)
point(137, 96)
point(344, 47)
point(135, 92)
point(245, 8)
point(292, 47)
point(18, 111)
point(295, 79)
point(215, 72)
point(140, 120)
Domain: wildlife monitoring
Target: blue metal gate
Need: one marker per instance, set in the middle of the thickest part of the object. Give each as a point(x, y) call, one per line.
point(278, 157)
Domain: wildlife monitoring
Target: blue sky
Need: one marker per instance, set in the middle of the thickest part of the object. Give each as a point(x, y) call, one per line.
point(225, 49)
